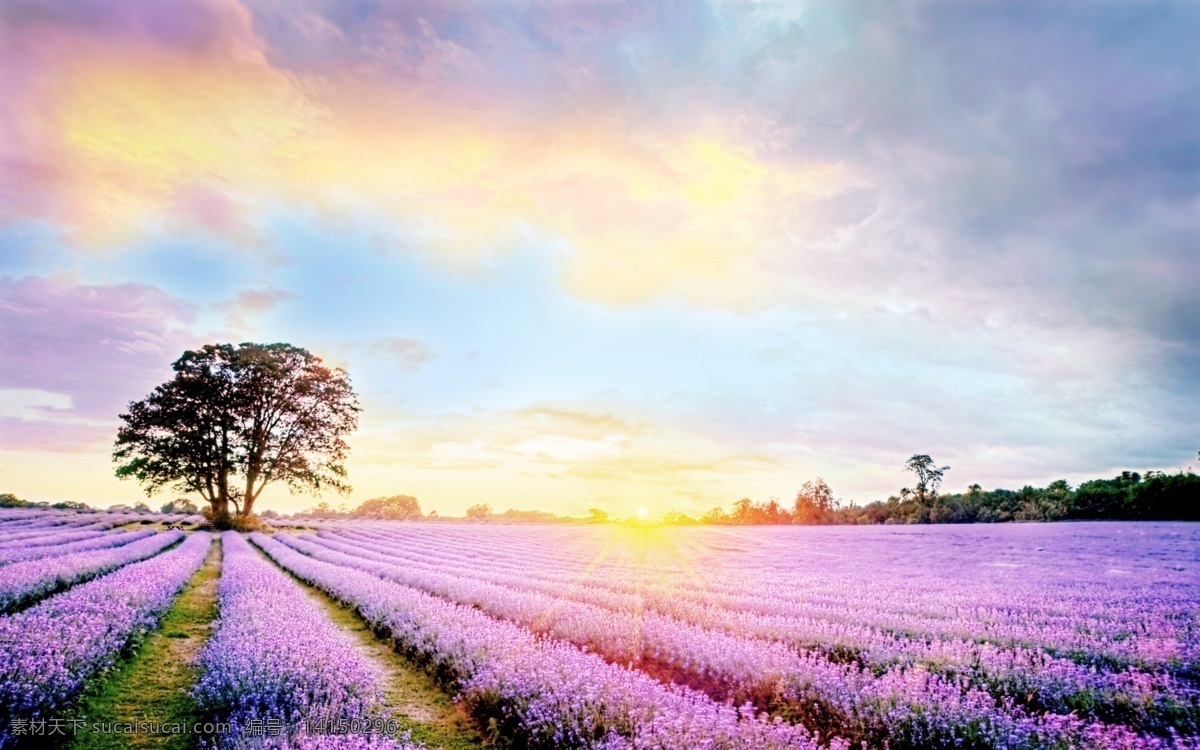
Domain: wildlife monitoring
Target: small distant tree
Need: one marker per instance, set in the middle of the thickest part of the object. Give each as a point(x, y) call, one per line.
point(9, 500)
point(744, 511)
point(678, 518)
point(528, 516)
point(70, 505)
point(814, 503)
point(929, 478)
point(748, 512)
point(479, 512)
point(321, 510)
point(716, 515)
point(394, 508)
point(180, 505)
point(775, 513)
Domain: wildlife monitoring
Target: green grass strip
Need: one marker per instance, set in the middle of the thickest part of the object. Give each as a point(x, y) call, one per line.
point(152, 684)
point(414, 699)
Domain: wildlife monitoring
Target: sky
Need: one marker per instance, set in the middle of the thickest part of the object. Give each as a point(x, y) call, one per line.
point(613, 254)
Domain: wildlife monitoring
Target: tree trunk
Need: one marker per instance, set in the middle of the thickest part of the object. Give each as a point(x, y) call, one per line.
point(250, 496)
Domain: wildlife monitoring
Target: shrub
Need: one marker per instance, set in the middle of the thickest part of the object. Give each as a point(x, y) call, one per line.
point(228, 521)
point(246, 523)
point(215, 521)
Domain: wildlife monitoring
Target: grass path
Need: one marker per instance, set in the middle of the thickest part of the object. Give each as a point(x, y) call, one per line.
point(152, 684)
point(413, 697)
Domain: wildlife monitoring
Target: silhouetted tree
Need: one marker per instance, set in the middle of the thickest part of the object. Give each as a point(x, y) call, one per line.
point(254, 413)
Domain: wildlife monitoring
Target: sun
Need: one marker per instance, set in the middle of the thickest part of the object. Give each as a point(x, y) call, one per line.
point(642, 513)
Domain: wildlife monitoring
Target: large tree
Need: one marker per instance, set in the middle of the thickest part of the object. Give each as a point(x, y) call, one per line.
point(235, 419)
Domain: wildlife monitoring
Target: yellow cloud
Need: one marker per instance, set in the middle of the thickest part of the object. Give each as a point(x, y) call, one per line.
point(153, 136)
point(150, 138)
point(725, 174)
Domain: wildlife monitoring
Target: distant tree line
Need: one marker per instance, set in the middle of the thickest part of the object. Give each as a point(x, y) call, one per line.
point(9, 500)
point(483, 512)
point(394, 508)
point(406, 508)
point(179, 505)
point(1153, 496)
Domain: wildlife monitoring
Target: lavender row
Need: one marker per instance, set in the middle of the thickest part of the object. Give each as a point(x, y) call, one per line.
point(539, 693)
point(38, 535)
point(52, 649)
point(771, 555)
point(104, 540)
point(1079, 624)
point(276, 655)
point(25, 582)
point(15, 516)
point(1060, 685)
point(54, 536)
point(902, 706)
point(37, 523)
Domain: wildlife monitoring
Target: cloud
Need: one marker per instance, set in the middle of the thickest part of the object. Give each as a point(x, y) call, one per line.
point(211, 135)
point(409, 354)
point(55, 435)
point(728, 156)
point(83, 351)
point(31, 403)
point(1007, 194)
point(107, 168)
point(251, 303)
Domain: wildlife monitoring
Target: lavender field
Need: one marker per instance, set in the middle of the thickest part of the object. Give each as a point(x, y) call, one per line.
point(1082, 635)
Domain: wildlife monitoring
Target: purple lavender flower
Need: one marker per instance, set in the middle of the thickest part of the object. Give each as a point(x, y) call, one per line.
point(28, 581)
point(51, 649)
point(276, 655)
point(68, 544)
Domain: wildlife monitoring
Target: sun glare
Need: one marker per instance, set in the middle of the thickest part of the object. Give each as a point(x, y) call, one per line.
point(642, 513)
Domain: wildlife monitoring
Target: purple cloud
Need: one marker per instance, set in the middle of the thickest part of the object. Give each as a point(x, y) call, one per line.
point(101, 345)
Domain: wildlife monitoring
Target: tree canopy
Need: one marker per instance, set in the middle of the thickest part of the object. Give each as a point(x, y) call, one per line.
point(235, 419)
